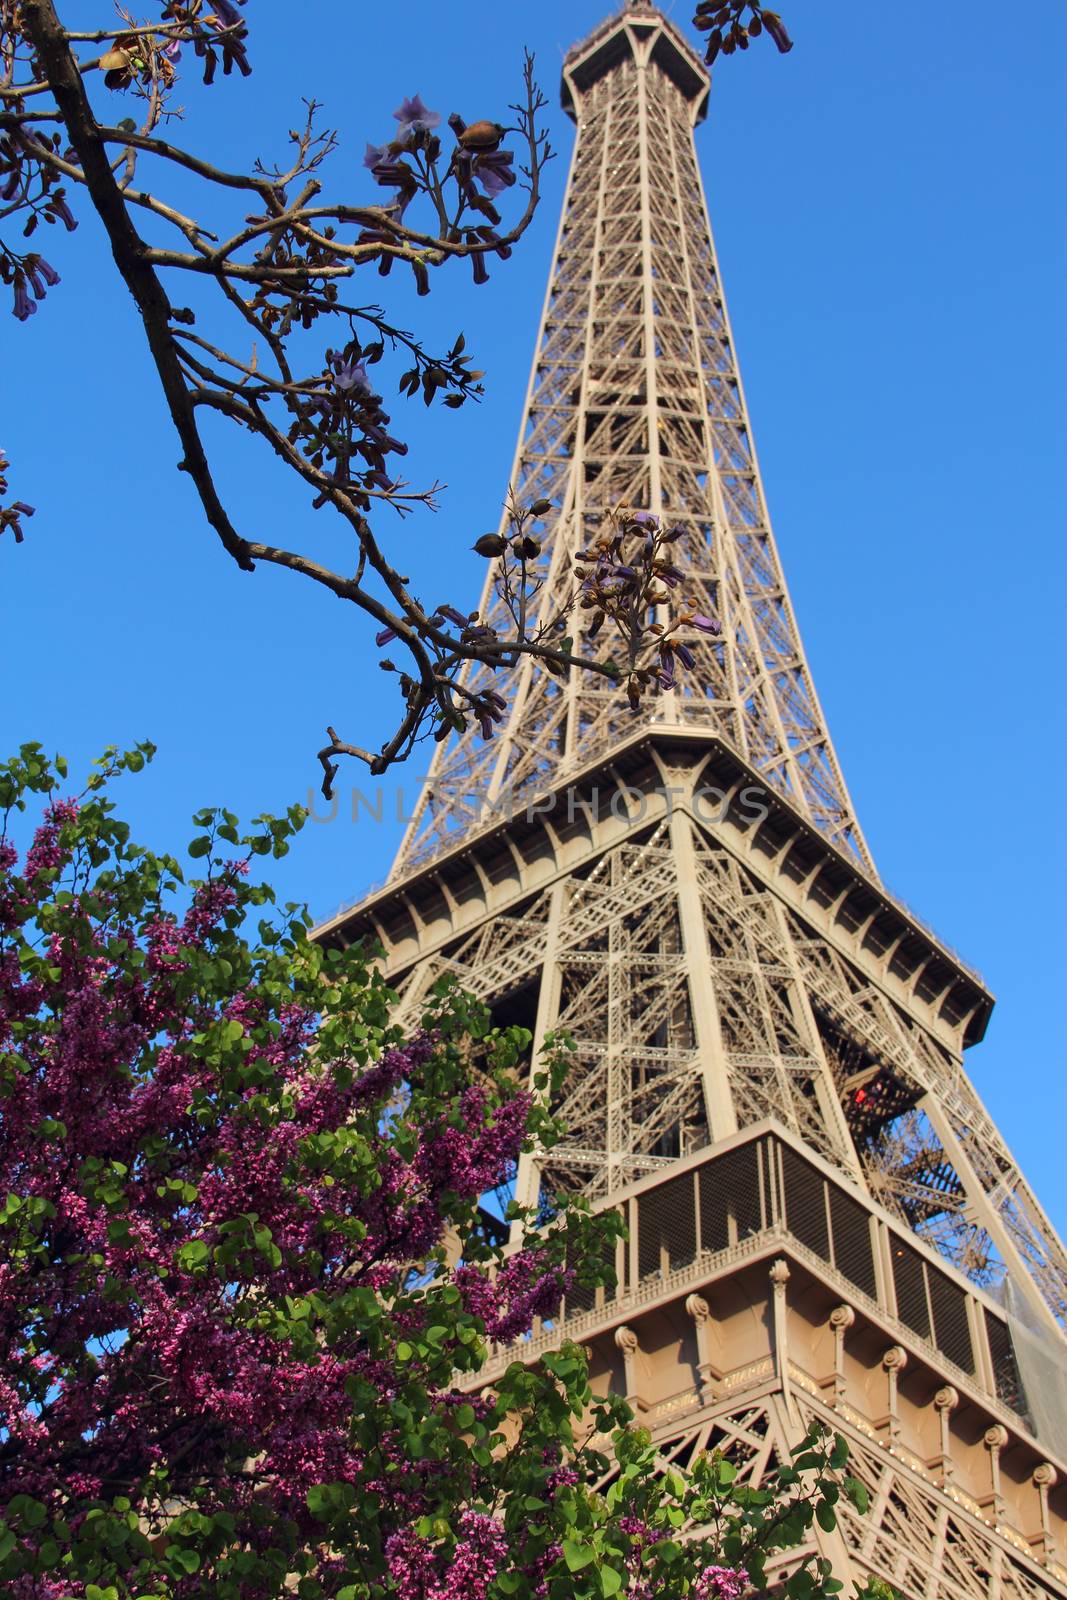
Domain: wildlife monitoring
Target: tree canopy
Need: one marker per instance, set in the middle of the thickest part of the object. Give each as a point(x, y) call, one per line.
point(248, 1282)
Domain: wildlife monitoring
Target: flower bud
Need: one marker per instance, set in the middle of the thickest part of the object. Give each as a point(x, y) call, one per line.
point(776, 28)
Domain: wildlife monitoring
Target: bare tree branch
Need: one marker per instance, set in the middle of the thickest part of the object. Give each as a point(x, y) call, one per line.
point(279, 271)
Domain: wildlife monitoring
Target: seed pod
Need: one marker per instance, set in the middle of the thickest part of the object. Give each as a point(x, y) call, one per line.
point(490, 545)
point(481, 136)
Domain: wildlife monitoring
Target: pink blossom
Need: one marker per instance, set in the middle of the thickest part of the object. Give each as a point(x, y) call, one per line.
point(481, 1552)
point(721, 1583)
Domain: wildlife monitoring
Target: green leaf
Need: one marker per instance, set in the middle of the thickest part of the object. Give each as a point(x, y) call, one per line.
point(826, 1516)
point(320, 1500)
point(801, 1584)
point(610, 1580)
point(576, 1555)
point(200, 846)
point(31, 1513)
point(857, 1493)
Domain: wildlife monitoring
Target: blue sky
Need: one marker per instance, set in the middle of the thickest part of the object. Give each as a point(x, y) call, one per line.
point(891, 226)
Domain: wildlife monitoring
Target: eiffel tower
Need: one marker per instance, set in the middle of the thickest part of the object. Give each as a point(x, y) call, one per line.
point(823, 1221)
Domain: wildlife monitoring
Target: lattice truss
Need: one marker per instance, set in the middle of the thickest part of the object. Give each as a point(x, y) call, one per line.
point(699, 1004)
point(752, 1433)
point(635, 398)
point(926, 1545)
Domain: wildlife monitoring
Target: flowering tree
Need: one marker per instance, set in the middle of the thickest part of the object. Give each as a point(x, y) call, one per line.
point(249, 315)
point(246, 1285)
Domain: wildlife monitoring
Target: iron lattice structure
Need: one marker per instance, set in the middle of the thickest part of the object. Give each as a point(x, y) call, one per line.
point(635, 399)
point(768, 1077)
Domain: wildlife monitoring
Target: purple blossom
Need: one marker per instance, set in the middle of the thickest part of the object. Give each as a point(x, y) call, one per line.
point(527, 1286)
point(450, 614)
point(776, 28)
point(59, 208)
point(415, 118)
point(375, 156)
point(384, 441)
point(385, 636)
point(41, 274)
point(24, 306)
point(479, 1555)
point(382, 162)
point(410, 1563)
point(348, 375)
point(706, 624)
point(493, 171)
point(391, 173)
point(226, 13)
point(172, 50)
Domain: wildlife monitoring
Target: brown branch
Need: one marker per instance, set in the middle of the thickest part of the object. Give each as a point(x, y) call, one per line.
point(189, 384)
point(60, 68)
